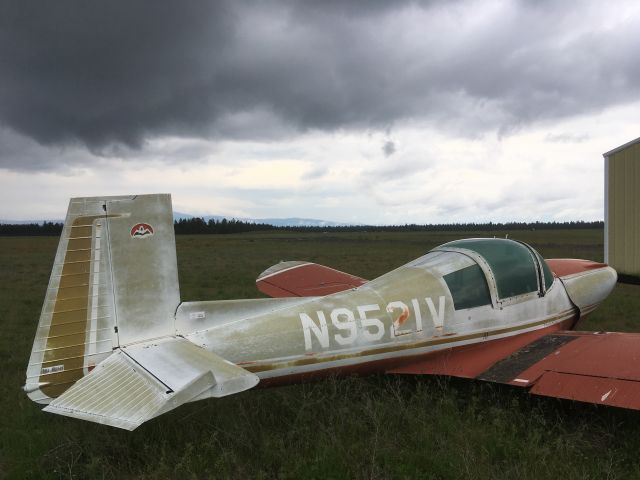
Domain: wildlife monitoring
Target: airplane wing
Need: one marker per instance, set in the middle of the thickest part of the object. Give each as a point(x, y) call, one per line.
point(304, 279)
point(142, 381)
point(594, 367)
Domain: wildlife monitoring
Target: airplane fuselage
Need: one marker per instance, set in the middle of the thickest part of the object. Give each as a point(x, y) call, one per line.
point(405, 314)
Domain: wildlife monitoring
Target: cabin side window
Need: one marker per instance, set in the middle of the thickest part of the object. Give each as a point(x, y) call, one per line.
point(546, 272)
point(468, 287)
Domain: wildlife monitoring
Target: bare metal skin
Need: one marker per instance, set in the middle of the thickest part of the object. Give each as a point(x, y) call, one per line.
point(115, 345)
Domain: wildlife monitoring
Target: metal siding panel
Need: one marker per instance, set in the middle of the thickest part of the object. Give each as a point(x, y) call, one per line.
point(628, 210)
point(629, 217)
point(611, 212)
point(617, 211)
point(606, 209)
point(635, 209)
point(624, 210)
point(622, 147)
point(621, 206)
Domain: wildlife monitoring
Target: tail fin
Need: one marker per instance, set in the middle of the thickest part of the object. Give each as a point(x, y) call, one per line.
point(114, 282)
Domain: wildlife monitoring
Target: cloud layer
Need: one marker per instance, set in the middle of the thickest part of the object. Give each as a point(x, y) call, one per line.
point(100, 74)
point(356, 111)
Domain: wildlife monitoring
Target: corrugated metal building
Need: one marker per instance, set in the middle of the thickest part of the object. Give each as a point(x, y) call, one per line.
point(622, 208)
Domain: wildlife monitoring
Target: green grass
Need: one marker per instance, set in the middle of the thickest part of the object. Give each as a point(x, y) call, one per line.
point(370, 427)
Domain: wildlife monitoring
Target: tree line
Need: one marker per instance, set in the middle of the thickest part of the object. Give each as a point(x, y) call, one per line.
point(196, 225)
point(31, 229)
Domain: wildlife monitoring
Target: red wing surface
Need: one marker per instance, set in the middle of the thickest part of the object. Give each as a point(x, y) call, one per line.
point(601, 368)
point(304, 279)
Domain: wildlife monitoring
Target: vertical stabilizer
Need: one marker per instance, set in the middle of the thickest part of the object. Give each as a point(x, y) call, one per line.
point(114, 281)
point(143, 264)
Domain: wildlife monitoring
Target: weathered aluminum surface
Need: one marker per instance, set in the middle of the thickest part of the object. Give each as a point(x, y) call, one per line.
point(198, 316)
point(386, 318)
point(75, 331)
point(118, 392)
point(108, 287)
point(177, 363)
point(114, 286)
point(589, 288)
point(145, 271)
point(142, 381)
point(304, 279)
point(344, 322)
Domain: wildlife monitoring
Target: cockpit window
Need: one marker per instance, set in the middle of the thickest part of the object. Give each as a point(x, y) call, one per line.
point(468, 287)
point(511, 262)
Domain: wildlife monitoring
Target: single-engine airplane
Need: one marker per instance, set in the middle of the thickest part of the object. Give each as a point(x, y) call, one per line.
point(115, 345)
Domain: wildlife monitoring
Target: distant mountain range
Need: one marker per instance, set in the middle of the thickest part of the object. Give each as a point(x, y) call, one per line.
point(26, 222)
point(278, 222)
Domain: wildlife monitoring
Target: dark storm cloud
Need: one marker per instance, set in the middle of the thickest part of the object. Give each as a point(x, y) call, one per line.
point(98, 73)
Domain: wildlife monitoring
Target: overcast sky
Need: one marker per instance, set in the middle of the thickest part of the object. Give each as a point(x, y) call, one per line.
point(355, 111)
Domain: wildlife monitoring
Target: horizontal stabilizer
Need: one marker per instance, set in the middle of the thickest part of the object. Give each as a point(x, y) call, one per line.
point(304, 279)
point(143, 381)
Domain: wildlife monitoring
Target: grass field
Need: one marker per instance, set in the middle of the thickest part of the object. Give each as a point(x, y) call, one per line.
point(370, 427)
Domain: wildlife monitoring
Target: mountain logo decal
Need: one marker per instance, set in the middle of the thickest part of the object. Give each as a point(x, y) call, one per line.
point(140, 230)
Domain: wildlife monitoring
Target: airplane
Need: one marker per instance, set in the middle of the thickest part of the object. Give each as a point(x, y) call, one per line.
point(115, 345)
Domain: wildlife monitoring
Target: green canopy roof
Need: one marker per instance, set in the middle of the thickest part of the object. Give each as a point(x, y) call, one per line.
point(511, 262)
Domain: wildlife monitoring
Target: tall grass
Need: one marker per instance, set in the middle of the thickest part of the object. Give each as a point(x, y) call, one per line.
point(369, 427)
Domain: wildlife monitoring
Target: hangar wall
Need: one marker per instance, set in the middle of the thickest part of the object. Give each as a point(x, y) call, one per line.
point(622, 208)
